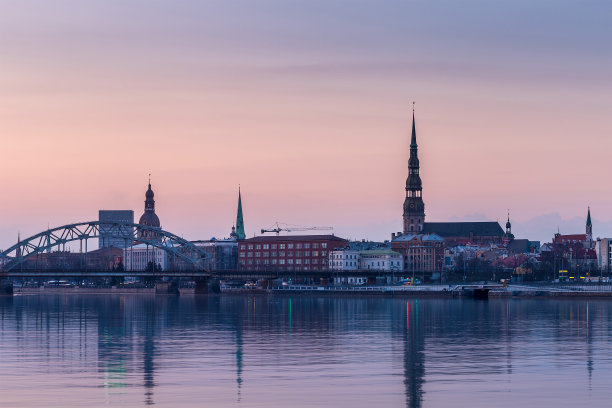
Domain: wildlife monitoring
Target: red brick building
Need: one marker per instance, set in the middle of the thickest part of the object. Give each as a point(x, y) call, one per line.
point(287, 253)
point(422, 253)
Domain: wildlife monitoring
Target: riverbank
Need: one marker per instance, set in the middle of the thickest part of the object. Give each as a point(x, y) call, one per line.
point(78, 290)
point(430, 291)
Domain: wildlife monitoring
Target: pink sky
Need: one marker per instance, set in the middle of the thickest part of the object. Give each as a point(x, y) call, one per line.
point(308, 108)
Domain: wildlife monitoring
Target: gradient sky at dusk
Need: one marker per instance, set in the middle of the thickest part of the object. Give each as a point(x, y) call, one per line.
point(306, 105)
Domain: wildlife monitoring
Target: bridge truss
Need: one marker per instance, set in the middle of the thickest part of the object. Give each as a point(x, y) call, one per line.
point(82, 232)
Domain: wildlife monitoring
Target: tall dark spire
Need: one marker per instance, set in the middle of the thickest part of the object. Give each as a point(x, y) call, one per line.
point(589, 226)
point(414, 208)
point(239, 219)
point(413, 142)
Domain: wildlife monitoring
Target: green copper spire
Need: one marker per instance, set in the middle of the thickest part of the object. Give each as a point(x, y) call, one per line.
point(239, 220)
point(589, 218)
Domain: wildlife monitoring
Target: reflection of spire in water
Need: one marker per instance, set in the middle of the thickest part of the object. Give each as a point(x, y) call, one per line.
point(148, 367)
point(508, 343)
point(290, 316)
point(589, 348)
point(414, 366)
point(239, 358)
point(148, 355)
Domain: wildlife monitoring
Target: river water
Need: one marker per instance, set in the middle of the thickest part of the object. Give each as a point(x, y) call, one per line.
point(281, 351)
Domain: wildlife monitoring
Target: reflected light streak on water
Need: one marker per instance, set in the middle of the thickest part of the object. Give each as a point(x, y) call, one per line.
point(249, 351)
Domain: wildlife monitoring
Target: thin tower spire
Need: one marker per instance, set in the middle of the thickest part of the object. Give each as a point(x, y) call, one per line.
point(239, 218)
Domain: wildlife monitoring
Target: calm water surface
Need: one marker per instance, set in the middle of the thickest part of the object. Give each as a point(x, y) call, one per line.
point(260, 351)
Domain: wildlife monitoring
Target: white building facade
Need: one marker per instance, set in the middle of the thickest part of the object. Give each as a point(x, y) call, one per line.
point(344, 260)
point(138, 257)
point(349, 263)
point(603, 248)
point(381, 260)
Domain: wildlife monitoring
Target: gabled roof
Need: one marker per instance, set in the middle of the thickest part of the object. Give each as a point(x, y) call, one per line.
point(519, 246)
point(464, 229)
point(559, 239)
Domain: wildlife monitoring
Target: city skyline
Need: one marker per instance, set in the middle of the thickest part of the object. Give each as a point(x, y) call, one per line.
point(308, 111)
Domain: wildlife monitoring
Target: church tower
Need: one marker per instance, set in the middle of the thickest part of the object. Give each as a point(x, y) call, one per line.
point(240, 234)
point(589, 227)
point(414, 208)
point(508, 236)
point(149, 218)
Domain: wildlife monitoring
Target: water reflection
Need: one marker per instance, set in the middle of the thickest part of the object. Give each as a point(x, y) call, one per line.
point(302, 351)
point(414, 367)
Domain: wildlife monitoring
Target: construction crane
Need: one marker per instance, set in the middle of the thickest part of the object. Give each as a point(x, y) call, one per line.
point(290, 228)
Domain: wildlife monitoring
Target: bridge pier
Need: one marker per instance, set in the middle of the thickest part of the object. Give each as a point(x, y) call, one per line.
point(167, 288)
point(201, 285)
point(477, 293)
point(6, 288)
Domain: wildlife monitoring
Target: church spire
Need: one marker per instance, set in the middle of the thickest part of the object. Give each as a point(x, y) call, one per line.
point(588, 222)
point(589, 226)
point(414, 208)
point(239, 219)
point(413, 143)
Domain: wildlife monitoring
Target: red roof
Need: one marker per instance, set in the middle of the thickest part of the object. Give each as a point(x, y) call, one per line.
point(560, 239)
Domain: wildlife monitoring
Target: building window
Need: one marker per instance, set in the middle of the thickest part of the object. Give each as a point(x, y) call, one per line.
point(266, 246)
point(290, 253)
point(281, 253)
point(306, 246)
point(298, 246)
point(242, 254)
point(250, 254)
point(306, 253)
point(315, 253)
point(273, 246)
point(290, 261)
point(250, 246)
point(266, 254)
point(281, 246)
point(281, 261)
point(273, 254)
point(324, 245)
point(289, 246)
point(258, 246)
point(298, 261)
point(297, 253)
point(306, 261)
point(315, 245)
point(257, 254)
point(273, 261)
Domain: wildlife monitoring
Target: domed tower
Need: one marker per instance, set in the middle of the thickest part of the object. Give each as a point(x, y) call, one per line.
point(414, 208)
point(149, 218)
point(508, 236)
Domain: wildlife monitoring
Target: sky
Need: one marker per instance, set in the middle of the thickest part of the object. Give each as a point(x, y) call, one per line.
point(307, 105)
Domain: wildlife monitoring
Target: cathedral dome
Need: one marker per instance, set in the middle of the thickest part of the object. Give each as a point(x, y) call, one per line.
point(150, 219)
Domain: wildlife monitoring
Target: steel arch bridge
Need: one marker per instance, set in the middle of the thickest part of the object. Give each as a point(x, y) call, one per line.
point(129, 232)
